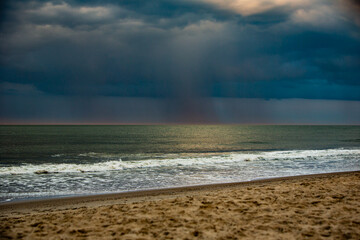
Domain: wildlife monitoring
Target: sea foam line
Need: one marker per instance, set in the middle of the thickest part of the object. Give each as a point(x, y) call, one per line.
point(216, 160)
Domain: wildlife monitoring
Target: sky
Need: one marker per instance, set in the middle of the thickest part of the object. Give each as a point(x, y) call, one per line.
point(180, 61)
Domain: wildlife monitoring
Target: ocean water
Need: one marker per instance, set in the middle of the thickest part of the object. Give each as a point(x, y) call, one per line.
point(53, 161)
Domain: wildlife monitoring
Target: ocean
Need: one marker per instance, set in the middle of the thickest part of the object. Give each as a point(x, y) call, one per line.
point(56, 161)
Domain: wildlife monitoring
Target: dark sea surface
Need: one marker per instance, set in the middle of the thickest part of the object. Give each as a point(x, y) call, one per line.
point(50, 161)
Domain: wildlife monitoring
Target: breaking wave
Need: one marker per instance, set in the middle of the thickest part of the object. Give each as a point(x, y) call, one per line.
point(293, 157)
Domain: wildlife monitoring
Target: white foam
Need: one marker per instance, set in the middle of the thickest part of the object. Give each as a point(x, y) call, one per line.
point(209, 161)
point(57, 155)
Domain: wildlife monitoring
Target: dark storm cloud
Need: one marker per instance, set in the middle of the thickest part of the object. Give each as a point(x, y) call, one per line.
point(180, 52)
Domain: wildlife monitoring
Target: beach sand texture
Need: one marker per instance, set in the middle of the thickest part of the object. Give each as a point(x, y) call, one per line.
point(308, 207)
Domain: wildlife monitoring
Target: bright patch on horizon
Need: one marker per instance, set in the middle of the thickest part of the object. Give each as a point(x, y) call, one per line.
point(250, 7)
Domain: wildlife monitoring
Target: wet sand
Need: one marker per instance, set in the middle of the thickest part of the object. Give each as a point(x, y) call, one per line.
point(315, 206)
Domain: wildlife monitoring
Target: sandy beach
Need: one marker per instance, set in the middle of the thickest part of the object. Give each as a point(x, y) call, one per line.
point(303, 207)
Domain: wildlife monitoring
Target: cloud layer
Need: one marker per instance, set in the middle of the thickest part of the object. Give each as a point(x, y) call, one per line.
point(180, 52)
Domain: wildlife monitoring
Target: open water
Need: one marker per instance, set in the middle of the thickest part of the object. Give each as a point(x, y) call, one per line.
point(54, 161)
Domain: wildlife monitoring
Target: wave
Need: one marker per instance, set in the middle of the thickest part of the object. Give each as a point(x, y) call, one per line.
point(209, 161)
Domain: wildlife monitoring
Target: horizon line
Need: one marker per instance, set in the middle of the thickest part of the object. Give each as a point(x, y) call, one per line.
point(179, 123)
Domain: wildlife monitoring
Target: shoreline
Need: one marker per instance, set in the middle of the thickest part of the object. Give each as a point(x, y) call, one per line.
point(300, 207)
point(95, 200)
